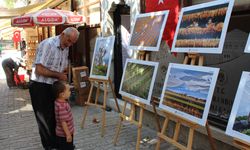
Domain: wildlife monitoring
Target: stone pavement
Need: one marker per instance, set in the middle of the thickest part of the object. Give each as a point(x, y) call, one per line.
point(18, 128)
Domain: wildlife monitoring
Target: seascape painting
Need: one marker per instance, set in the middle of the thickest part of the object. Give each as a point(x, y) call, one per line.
point(188, 91)
point(202, 28)
point(102, 57)
point(239, 121)
point(138, 79)
point(147, 31)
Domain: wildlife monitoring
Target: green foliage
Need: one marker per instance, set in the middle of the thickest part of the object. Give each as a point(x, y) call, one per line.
point(100, 70)
point(241, 118)
point(247, 132)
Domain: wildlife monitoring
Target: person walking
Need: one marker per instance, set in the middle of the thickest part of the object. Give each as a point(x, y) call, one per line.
point(23, 47)
point(10, 67)
point(64, 117)
point(49, 66)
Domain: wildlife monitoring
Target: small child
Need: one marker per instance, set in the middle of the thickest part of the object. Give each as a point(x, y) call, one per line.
point(63, 115)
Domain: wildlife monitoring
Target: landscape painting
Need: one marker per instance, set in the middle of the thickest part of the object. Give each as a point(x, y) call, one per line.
point(102, 57)
point(147, 31)
point(138, 80)
point(188, 91)
point(247, 48)
point(202, 28)
point(239, 121)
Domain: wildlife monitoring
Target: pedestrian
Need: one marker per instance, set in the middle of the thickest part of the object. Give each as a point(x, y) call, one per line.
point(23, 47)
point(49, 66)
point(63, 115)
point(10, 67)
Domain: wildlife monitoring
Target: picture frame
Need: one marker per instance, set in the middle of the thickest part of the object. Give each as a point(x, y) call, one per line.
point(146, 33)
point(202, 28)
point(101, 62)
point(247, 48)
point(138, 80)
point(239, 121)
point(188, 91)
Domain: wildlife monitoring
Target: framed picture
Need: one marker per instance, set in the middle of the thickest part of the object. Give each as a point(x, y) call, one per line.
point(247, 48)
point(138, 80)
point(239, 122)
point(202, 28)
point(102, 57)
point(188, 91)
point(147, 31)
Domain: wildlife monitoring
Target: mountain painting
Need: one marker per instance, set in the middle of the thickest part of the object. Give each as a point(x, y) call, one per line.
point(189, 89)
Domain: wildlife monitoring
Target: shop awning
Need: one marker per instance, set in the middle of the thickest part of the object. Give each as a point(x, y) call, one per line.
point(7, 14)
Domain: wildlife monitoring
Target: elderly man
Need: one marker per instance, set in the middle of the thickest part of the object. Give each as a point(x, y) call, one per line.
point(50, 65)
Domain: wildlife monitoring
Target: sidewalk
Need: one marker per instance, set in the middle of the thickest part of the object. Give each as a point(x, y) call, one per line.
point(19, 131)
point(18, 128)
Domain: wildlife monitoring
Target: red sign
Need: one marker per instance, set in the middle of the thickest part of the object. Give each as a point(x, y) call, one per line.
point(16, 36)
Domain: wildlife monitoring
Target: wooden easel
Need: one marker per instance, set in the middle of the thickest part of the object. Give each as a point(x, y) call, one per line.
point(189, 59)
point(241, 144)
point(131, 119)
point(103, 106)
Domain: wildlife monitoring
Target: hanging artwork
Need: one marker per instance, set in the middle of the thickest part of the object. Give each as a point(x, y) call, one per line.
point(188, 91)
point(202, 28)
point(147, 31)
point(102, 57)
point(138, 80)
point(239, 121)
point(247, 48)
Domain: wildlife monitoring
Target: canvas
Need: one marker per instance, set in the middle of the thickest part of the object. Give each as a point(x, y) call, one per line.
point(138, 80)
point(202, 28)
point(147, 31)
point(239, 121)
point(102, 57)
point(247, 48)
point(188, 91)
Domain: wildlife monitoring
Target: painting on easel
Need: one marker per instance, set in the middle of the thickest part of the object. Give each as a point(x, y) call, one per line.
point(102, 56)
point(202, 28)
point(147, 31)
point(138, 80)
point(188, 91)
point(239, 121)
point(247, 48)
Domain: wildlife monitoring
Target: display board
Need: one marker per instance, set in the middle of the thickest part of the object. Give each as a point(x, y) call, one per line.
point(239, 121)
point(138, 80)
point(102, 57)
point(202, 28)
point(247, 48)
point(147, 31)
point(188, 91)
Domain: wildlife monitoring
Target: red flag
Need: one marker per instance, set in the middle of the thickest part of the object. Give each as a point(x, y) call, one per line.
point(173, 6)
point(17, 36)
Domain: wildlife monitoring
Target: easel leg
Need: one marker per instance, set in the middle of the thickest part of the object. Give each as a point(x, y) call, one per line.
point(86, 109)
point(190, 138)
point(104, 109)
point(139, 129)
point(162, 132)
point(211, 140)
point(113, 92)
point(177, 131)
point(120, 123)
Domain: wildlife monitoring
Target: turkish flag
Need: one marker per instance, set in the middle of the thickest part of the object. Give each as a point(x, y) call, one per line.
point(173, 6)
point(17, 36)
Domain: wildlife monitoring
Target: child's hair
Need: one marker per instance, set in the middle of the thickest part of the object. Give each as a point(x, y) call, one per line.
point(58, 87)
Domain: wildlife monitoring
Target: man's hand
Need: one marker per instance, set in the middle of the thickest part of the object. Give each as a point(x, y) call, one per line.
point(62, 76)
